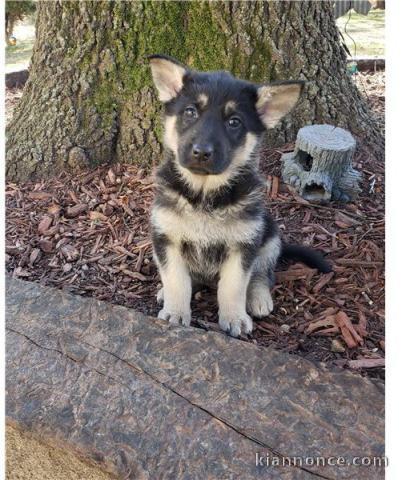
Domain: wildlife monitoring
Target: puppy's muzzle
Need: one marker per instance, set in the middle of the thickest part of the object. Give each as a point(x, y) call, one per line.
point(202, 158)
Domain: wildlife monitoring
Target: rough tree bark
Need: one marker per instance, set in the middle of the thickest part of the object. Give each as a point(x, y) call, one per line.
point(89, 98)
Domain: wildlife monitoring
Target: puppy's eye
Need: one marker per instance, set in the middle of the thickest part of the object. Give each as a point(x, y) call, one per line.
point(234, 122)
point(191, 112)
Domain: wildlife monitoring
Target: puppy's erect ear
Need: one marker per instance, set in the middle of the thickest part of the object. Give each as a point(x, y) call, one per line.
point(167, 74)
point(276, 100)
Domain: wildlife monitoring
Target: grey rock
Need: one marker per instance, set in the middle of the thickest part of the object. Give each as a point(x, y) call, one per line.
point(146, 400)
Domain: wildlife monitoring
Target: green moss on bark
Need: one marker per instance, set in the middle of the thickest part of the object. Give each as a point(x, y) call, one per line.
point(198, 33)
point(90, 84)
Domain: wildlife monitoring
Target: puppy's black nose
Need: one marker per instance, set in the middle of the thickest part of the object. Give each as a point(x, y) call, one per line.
point(202, 152)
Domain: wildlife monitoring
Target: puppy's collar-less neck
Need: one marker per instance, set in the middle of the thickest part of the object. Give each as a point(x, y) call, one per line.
point(238, 188)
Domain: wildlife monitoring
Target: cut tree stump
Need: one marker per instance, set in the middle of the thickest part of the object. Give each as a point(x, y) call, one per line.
point(320, 167)
point(146, 400)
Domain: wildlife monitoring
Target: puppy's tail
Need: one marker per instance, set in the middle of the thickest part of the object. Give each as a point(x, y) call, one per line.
point(306, 255)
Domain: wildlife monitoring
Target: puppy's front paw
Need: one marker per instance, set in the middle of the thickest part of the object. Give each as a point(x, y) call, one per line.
point(175, 318)
point(259, 302)
point(234, 323)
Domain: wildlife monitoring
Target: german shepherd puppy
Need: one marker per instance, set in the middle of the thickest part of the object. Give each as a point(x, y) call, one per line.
point(209, 223)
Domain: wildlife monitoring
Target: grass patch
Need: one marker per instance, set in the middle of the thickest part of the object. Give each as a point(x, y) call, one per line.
point(368, 32)
point(19, 55)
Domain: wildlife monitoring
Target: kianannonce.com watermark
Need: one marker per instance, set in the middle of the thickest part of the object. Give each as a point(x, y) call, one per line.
point(269, 460)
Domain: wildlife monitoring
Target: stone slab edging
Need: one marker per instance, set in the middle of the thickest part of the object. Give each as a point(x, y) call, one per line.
point(148, 401)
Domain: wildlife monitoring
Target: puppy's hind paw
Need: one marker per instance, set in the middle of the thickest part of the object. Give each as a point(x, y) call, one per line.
point(175, 318)
point(235, 323)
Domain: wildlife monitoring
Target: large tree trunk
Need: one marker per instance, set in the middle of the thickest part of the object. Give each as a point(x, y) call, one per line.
point(89, 98)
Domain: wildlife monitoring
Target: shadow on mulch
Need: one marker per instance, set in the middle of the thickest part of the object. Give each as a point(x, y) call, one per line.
point(88, 234)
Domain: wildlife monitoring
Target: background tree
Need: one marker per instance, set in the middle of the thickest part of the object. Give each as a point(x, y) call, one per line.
point(15, 11)
point(89, 98)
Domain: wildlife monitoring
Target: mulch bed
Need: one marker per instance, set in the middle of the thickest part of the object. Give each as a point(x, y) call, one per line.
point(88, 234)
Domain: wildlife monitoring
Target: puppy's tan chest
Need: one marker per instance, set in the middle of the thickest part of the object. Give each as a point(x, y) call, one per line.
point(200, 227)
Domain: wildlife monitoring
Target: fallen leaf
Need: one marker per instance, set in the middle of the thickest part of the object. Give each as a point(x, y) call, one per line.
point(35, 255)
point(39, 195)
point(51, 231)
point(20, 272)
point(44, 224)
point(345, 220)
point(336, 346)
point(136, 275)
point(361, 327)
point(366, 363)
point(268, 327)
point(94, 215)
point(147, 180)
point(54, 209)
point(70, 252)
point(108, 210)
point(46, 245)
point(67, 267)
point(14, 250)
point(73, 196)
point(123, 202)
point(111, 176)
point(328, 321)
point(340, 224)
point(76, 210)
